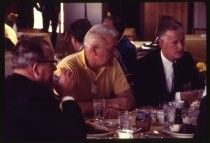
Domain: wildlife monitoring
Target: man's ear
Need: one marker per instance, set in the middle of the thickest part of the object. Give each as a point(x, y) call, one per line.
point(35, 69)
point(75, 40)
point(72, 39)
point(94, 50)
point(161, 43)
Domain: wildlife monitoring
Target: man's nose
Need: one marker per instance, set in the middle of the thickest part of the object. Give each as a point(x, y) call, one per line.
point(180, 45)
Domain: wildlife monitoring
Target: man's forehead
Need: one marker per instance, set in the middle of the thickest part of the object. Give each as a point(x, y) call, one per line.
point(174, 34)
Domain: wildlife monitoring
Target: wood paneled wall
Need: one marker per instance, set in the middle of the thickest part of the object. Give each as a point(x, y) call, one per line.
point(154, 10)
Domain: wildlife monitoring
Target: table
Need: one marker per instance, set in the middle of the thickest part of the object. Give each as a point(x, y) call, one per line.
point(154, 132)
point(157, 130)
point(42, 35)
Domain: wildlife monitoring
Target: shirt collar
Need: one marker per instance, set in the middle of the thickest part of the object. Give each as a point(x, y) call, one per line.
point(82, 58)
point(84, 63)
point(166, 62)
point(81, 47)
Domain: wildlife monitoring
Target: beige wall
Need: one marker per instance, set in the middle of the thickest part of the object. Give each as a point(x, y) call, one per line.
point(73, 11)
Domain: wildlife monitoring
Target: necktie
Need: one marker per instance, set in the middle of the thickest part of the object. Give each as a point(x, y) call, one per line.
point(173, 88)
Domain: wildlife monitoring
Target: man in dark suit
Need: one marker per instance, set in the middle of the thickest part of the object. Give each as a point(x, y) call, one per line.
point(31, 110)
point(157, 80)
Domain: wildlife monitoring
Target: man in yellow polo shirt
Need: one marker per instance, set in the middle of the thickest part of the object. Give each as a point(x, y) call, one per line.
point(98, 74)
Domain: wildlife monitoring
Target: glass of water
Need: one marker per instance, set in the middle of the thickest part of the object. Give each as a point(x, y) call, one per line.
point(99, 109)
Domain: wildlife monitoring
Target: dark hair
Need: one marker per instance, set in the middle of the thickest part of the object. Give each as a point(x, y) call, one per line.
point(117, 23)
point(29, 50)
point(79, 28)
point(168, 25)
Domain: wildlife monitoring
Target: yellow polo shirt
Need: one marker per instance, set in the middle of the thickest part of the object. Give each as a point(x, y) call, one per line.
point(107, 82)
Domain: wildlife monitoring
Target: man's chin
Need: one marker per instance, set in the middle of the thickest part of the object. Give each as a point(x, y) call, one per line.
point(180, 55)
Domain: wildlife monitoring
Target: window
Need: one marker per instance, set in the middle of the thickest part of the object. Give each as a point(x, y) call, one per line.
point(38, 20)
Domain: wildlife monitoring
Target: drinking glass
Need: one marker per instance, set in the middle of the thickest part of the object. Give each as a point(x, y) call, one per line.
point(99, 109)
point(169, 110)
point(125, 124)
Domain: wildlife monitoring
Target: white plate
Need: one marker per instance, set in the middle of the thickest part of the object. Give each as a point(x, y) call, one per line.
point(177, 135)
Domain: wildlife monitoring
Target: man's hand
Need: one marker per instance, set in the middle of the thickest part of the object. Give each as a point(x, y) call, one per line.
point(66, 83)
point(190, 96)
point(111, 113)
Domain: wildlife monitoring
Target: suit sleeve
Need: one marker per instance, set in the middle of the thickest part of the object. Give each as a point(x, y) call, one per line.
point(72, 113)
point(197, 81)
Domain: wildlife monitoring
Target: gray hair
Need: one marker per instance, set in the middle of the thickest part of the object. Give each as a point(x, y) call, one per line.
point(103, 32)
point(168, 25)
point(28, 51)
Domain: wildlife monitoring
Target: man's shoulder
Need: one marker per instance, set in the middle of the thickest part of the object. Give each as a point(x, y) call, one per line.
point(23, 85)
point(125, 42)
point(151, 56)
point(187, 57)
point(73, 55)
point(70, 58)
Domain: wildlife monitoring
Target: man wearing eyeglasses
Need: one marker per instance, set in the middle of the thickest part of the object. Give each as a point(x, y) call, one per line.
point(98, 73)
point(31, 109)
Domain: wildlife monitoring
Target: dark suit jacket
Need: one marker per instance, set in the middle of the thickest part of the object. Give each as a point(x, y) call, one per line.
point(150, 83)
point(202, 129)
point(128, 54)
point(32, 112)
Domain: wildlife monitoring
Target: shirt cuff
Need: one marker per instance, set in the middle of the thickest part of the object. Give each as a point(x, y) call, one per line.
point(178, 96)
point(65, 98)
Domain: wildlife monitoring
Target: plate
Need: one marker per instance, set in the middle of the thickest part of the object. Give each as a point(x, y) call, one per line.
point(90, 136)
point(177, 135)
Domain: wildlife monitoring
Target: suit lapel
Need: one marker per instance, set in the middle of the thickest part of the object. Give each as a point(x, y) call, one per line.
point(161, 73)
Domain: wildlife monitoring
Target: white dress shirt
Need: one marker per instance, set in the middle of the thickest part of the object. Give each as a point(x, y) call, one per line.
point(168, 69)
point(169, 75)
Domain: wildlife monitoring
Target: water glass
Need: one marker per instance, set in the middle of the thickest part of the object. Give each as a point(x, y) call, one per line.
point(161, 116)
point(189, 116)
point(169, 110)
point(125, 120)
point(179, 104)
point(125, 125)
point(99, 109)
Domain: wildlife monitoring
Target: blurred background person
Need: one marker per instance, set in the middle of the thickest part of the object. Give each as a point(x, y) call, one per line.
point(77, 32)
point(98, 73)
point(50, 13)
point(25, 18)
point(10, 37)
point(156, 80)
point(126, 51)
point(31, 110)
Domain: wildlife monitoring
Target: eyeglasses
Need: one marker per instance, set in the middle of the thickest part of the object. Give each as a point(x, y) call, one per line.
point(48, 61)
